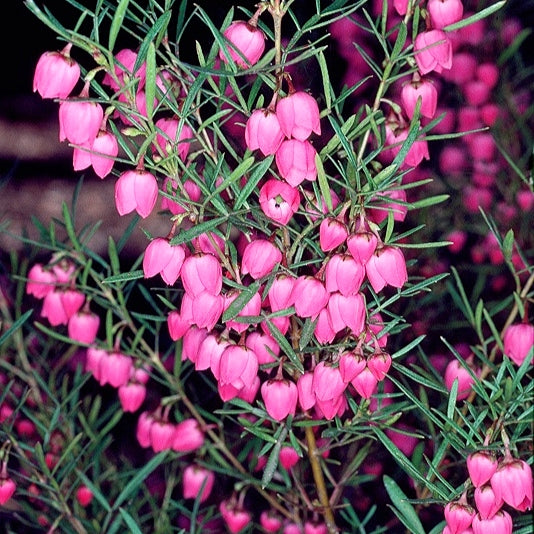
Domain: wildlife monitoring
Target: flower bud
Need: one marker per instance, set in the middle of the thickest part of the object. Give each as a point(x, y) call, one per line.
point(259, 258)
point(332, 233)
point(263, 131)
point(295, 161)
point(248, 44)
point(56, 74)
point(196, 479)
point(518, 342)
point(136, 190)
point(280, 398)
point(481, 465)
point(444, 12)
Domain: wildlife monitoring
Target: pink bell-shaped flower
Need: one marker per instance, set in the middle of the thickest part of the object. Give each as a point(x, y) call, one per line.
point(124, 62)
point(344, 274)
point(296, 161)
point(72, 301)
point(207, 309)
point(263, 131)
point(280, 292)
point(347, 311)
point(264, 346)
point(235, 517)
point(163, 258)
point(84, 496)
point(131, 396)
point(486, 501)
point(173, 137)
point(306, 393)
point(518, 342)
point(115, 369)
point(259, 258)
point(500, 523)
point(270, 521)
point(298, 114)
point(80, 119)
point(83, 326)
point(280, 398)
point(53, 309)
point(279, 201)
point(161, 435)
point(423, 89)
point(7, 489)
point(379, 364)
point(238, 369)
point(103, 153)
point(365, 383)
point(177, 325)
point(288, 457)
point(192, 341)
point(332, 233)
point(197, 482)
point(444, 12)
point(248, 44)
point(191, 192)
point(327, 382)
point(41, 281)
point(56, 74)
point(433, 51)
point(188, 436)
point(458, 516)
point(251, 308)
point(136, 190)
point(324, 332)
point(201, 272)
point(142, 431)
point(481, 465)
point(351, 364)
point(362, 245)
point(512, 482)
point(309, 296)
point(386, 266)
point(209, 353)
point(456, 371)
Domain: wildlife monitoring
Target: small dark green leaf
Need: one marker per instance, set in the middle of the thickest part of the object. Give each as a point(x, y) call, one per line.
point(117, 22)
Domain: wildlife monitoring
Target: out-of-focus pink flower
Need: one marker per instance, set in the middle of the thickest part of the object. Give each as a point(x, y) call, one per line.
point(518, 342)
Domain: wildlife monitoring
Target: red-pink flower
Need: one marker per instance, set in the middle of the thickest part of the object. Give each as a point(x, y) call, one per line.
point(238, 368)
point(173, 136)
point(298, 114)
point(365, 383)
point(309, 296)
point(481, 465)
point(280, 292)
point(131, 396)
point(7, 489)
point(263, 131)
point(163, 258)
point(248, 44)
point(344, 274)
point(202, 272)
point(332, 233)
point(433, 51)
point(124, 62)
point(114, 368)
point(235, 517)
point(512, 482)
point(458, 516)
point(279, 201)
point(423, 89)
point(386, 266)
point(296, 161)
point(41, 281)
point(456, 371)
point(518, 342)
point(103, 153)
point(83, 326)
point(347, 311)
point(487, 503)
point(500, 523)
point(362, 245)
point(280, 398)
point(136, 190)
point(444, 12)
point(188, 436)
point(197, 482)
point(264, 345)
point(259, 258)
point(56, 74)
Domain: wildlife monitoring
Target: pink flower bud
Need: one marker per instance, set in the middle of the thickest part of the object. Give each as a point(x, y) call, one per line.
point(173, 137)
point(324, 332)
point(163, 258)
point(350, 365)
point(315, 528)
point(259, 258)
point(458, 516)
point(142, 432)
point(288, 457)
point(279, 201)
point(197, 482)
point(83, 326)
point(56, 74)
point(500, 523)
point(192, 341)
point(72, 301)
point(79, 121)
point(386, 266)
point(365, 383)
point(433, 51)
point(481, 465)
point(444, 12)
point(332, 233)
point(280, 398)
point(188, 436)
point(487, 503)
point(512, 482)
point(248, 44)
point(136, 190)
point(235, 517)
point(344, 274)
point(131, 396)
point(306, 394)
point(263, 131)
point(362, 245)
point(41, 281)
point(207, 309)
point(309, 296)
point(423, 89)
point(270, 521)
point(201, 272)
point(124, 63)
point(7, 489)
point(104, 150)
point(295, 161)
point(298, 114)
point(84, 496)
point(518, 342)
point(327, 383)
point(456, 371)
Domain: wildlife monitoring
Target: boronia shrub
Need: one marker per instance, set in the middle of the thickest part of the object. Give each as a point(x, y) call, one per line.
point(330, 331)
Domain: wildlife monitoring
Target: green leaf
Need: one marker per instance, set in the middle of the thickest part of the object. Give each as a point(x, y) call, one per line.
point(285, 346)
point(323, 183)
point(15, 326)
point(272, 461)
point(253, 181)
point(453, 395)
point(240, 302)
point(124, 277)
point(150, 84)
point(117, 22)
point(483, 13)
point(130, 522)
point(405, 511)
point(508, 245)
point(188, 235)
point(132, 487)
